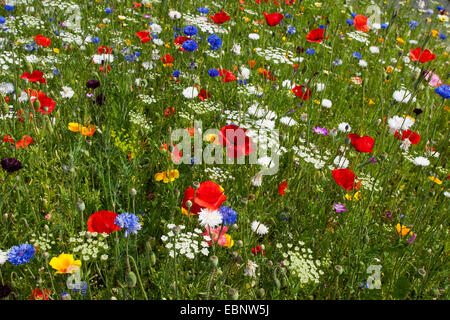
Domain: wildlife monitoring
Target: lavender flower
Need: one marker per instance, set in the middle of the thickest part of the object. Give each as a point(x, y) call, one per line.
point(320, 130)
point(339, 207)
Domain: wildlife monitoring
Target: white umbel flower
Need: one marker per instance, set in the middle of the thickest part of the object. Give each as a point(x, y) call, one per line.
point(259, 228)
point(421, 161)
point(190, 92)
point(211, 218)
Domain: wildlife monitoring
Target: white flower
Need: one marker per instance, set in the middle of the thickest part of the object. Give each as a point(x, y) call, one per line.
point(288, 121)
point(3, 257)
point(421, 161)
point(253, 36)
point(158, 42)
point(344, 127)
point(250, 269)
point(374, 49)
point(190, 92)
point(6, 88)
point(245, 73)
point(320, 87)
point(341, 162)
point(236, 49)
point(67, 92)
point(174, 15)
point(211, 218)
point(287, 84)
point(259, 228)
point(327, 103)
point(156, 28)
point(399, 123)
point(362, 63)
point(403, 96)
point(257, 179)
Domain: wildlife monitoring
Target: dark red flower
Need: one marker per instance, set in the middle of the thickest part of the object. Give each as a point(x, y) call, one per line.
point(208, 195)
point(362, 144)
point(315, 35)
point(37, 294)
point(282, 187)
point(236, 140)
point(35, 76)
point(102, 222)
point(345, 178)
point(220, 17)
point(42, 41)
point(298, 91)
point(422, 56)
point(258, 249)
point(273, 19)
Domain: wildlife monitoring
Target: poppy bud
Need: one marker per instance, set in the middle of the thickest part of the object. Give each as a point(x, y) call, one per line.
point(277, 283)
point(214, 261)
point(5, 108)
point(37, 104)
point(131, 279)
point(339, 269)
point(80, 205)
point(233, 294)
point(188, 204)
point(261, 293)
point(152, 259)
point(28, 66)
point(133, 192)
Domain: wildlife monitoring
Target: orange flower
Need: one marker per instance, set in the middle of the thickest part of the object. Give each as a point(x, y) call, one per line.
point(403, 230)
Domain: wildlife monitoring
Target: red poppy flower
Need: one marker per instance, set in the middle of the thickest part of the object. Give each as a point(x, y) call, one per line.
point(282, 187)
point(362, 144)
point(236, 140)
point(422, 56)
point(179, 42)
point(8, 138)
point(412, 136)
point(360, 22)
point(42, 41)
point(269, 75)
point(227, 76)
point(169, 111)
point(204, 95)
point(167, 59)
point(220, 17)
point(37, 294)
point(208, 195)
point(257, 249)
point(25, 142)
point(102, 222)
point(47, 103)
point(315, 35)
point(35, 76)
point(345, 178)
point(273, 19)
point(144, 36)
point(176, 153)
point(103, 49)
point(298, 91)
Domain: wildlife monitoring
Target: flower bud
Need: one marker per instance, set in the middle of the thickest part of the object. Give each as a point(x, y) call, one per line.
point(188, 204)
point(80, 205)
point(435, 292)
point(339, 269)
point(214, 261)
point(28, 66)
point(277, 283)
point(37, 104)
point(131, 279)
point(5, 108)
point(233, 294)
point(152, 259)
point(133, 192)
point(261, 293)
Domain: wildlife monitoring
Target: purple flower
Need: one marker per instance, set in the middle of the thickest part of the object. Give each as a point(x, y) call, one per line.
point(413, 237)
point(320, 130)
point(372, 160)
point(339, 207)
point(388, 214)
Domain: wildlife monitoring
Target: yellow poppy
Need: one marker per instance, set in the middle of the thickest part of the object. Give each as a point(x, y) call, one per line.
point(74, 127)
point(65, 263)
point(403, 230)
point(166, 176)
point(434, 179)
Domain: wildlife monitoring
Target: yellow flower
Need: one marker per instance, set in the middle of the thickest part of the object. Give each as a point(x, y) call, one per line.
point(348, 197)
point(316, 101)
point(400, 40)
point(166, 176)
point(318, 4)
point(128, 41)
point(443, 18)
point(371, 101)
point(74, 127)
point(434, 179)
point(65, 263)
point(246, 19)
point(434, 33)
point(229, 242)
point(403, 230)
point(211, 137)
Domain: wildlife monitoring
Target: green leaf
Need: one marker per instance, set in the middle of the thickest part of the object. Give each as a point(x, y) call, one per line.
point(401, 288)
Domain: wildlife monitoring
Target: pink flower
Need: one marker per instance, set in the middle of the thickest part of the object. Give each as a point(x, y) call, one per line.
point(222, 240)
point(435, 80)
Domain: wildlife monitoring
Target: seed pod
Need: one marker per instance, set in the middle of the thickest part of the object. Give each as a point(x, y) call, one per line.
point(133, 192)
point(80, 205)
point(339, 269)
point(5, 108)
point(277, 283)
point(152, 258)
point(28, 66)
point(37, 104)
point(188, 204)
point(214, 261)
point(261, 293)
point(131, 279)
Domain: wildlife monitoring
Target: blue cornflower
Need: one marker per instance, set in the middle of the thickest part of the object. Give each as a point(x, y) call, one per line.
point(2, 20)
point(322, 26)
point(354, 15)
point(129, 222)
point(9, 8)
point(413, 24)
point(384, 25)
point(81, 286)
point(95, 40)
point(287, 15)
point(21, 254)
point(443, 90)
point(55, 71)
point(190, 30)
point(215, 42)
point(229, 216)
point(194, 161)
point(337, 62)
point(242, 82)
point(203, 10)
point(108, 10)
point(190, 45)
point(349, 22)
point(357, 55)
point(213, 72)
point(176, 73)
point(443, 36)
point(440, 8)
point(137, 54)
point(291, 30)
point(310, 51)
point(30, 47)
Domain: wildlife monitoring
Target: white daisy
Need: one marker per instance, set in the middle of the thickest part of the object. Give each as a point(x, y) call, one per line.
point(211, 218)
point(327, 103)
point(344, 127)
point(259, 228)
point(250, 269)
point(403, 96)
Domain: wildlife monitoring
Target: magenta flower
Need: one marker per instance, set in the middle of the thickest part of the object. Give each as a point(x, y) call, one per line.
point(339, 207)
point(320, 130)
point(413, 237)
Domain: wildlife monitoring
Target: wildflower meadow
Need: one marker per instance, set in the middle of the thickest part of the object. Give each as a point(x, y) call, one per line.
point(224, 150)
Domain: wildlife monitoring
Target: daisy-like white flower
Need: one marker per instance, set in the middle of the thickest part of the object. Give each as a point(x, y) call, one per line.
point(67, 92)
point(190, 92)
point(211, 218)
point(327, 103)
point(288, 121)
point(399, 123)
point(253, 36)
point(403, 96)
point(421, 161)
point(259, 228)
point(3, 257)
point(341, 162)
point(344, 127)
point(174, 15)
point(257, 179)
point(250, 269)
point(374, 49)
